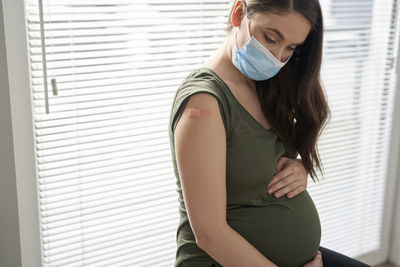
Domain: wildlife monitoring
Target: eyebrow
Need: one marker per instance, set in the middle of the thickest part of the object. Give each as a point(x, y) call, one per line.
point(281, 35)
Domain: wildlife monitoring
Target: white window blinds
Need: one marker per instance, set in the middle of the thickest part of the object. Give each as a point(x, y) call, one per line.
point(106, 185)
point(359, 76)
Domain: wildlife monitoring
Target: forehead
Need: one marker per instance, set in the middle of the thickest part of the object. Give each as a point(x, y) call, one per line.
point(294, 26)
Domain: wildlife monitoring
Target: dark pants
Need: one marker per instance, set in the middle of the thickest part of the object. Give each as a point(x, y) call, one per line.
point(332, 258)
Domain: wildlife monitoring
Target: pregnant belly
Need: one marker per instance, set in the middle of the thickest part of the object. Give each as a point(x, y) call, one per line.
point(286, 231)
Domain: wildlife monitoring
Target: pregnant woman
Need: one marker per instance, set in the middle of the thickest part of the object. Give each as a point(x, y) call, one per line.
point(237, 124)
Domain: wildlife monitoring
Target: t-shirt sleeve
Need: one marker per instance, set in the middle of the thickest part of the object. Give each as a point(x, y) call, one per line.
point(182, 97)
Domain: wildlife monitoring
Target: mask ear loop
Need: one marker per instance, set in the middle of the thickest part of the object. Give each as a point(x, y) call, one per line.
point(248, 28)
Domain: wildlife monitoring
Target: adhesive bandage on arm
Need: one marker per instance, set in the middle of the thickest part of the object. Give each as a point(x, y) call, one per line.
point(196, 113)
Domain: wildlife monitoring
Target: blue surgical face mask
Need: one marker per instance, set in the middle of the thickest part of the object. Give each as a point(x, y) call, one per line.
point(254, 60)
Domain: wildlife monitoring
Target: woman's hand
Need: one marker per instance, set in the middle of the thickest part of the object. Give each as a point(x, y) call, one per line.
point(316, 262)
point(291, 180)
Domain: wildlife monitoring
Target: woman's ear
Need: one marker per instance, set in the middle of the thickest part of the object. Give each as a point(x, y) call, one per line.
point(237, 14)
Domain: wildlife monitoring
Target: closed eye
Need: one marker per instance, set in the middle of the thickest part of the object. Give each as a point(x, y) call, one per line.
point(269, 40)
point(273, 42)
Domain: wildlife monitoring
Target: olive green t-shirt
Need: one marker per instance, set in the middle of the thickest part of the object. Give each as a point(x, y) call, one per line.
point(286, 231)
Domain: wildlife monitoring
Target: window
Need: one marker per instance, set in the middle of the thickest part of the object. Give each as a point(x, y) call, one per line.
point(106, 186)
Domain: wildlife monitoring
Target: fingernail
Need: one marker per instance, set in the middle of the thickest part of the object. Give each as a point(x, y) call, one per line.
point(269, 191)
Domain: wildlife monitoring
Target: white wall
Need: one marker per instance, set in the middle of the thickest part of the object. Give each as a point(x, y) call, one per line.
point(9, 228)
point(20, 243)
point(394, 253)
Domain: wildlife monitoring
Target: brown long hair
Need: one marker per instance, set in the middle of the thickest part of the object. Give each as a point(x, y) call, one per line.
point(293, 101)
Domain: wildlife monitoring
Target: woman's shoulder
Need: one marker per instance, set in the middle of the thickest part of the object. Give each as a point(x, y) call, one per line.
point(201, 80)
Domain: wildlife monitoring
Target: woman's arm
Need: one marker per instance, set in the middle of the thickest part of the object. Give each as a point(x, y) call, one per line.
point(200, 149)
